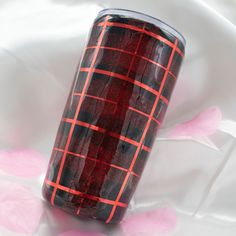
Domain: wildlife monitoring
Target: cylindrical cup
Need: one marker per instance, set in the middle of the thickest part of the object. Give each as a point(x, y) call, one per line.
point(116, 105)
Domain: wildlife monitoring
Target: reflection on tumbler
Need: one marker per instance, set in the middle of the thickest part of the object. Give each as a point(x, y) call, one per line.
point(115, 107)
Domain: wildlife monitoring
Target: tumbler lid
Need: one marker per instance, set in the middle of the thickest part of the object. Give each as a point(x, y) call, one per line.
point(143, 17)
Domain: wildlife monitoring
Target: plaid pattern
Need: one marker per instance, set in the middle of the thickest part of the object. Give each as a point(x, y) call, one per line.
point(111, 118)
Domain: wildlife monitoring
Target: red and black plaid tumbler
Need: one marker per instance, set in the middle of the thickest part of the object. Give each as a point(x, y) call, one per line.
point(116, 104)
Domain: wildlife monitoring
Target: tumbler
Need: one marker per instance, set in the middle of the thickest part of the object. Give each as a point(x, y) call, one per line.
point(117, 102)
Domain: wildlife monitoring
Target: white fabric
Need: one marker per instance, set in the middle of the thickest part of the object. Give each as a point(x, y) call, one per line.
point(40, 46)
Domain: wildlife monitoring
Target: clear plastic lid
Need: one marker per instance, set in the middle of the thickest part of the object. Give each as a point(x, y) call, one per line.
point(143, 17)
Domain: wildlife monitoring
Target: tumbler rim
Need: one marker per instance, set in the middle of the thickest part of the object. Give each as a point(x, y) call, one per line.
point(144, 17)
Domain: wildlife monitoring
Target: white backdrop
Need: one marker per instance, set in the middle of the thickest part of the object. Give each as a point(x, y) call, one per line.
point(40, 46)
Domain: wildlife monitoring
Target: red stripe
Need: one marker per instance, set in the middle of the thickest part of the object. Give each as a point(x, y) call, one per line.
point(125, 78)
point(143, 136)
point(131, 53)
point(147, 149)
point(84, 195)
point(84, 124)
point(96, 160)
point(77, 111)
point(115, 103)
point(155, 120)
point(138, 111)
point(123, 138)
point(97, 98)
point(136, 50)
point(156, 36)
point(101, 130)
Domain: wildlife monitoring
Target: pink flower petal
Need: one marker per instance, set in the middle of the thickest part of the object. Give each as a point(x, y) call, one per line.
point(24, 163)
point(80, 233)
point(20, 210)
point(159, 222)
point(202, 125)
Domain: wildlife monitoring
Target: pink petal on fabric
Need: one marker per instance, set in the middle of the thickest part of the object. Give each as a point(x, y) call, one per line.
point(20, 209)
point(158, 222)
point(80, 233)
point(24, 163)
point(202, 125)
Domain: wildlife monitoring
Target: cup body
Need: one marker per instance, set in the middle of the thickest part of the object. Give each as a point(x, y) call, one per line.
point(116, 105)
